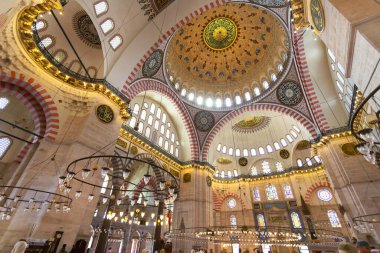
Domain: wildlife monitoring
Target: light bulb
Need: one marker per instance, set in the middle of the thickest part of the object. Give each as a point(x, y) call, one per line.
point(147, 223)
point(90, 197)
point(133, 202)
point(132, 213)
point(162, 185)
point(154, 223)
point(105, 200)
point(48, 209)
point(8, 217)
point(70, 175)
point(156, 202)
point(145, 202)
point(161, 217)
point(147, 178)
point(152, 215)
point(175, 195)
point(118, 202)
point(67, 189)
point(130, 222)
point(126, 173)
point(121, 213)
point(77, 194)
point(142, 214)
point(116, 218)
point(85, 173)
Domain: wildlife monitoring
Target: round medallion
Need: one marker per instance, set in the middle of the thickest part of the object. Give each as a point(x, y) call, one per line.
point(134, 150)
point(317, 15)
point(324, 195)
point(349, 149)
point(231, 203)
point(204, 121)
point(251, 124)
point(104, 113)
point(153, 63)
point(208, 181)
point(284, 154)
point(243, 161)
point(289, 93)
point(86, 30)
point(220, 33)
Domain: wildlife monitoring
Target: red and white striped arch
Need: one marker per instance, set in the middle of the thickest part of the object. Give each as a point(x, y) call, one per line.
point(37, 100)
point(255, 107)
point(142, 85)
point(133, 75)
point(307, 83)
point(313, 187)
point(219, 199)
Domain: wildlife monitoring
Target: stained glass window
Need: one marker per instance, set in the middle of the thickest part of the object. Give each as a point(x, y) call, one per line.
point(231, 203)
point(233, 221)
point(260, 220)
point(266, 167)
point(3, 103)
point(279, 167)
point(334, 220)
point(324, 195)
point(296, 221)
point(101, 7)
point(256, 194)
point(46, 42)
point(107, 26)
point(253, 171)
point(288, 191)
point(116, 41)
point(5, 143)
point(271, 192)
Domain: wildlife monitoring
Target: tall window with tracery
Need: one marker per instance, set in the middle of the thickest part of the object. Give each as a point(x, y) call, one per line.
point(271, 192)
point(279, 167)
point(233, 221)
point(334, 220)
point(253, 171)
point(266, 167)
point(256, 194)
point(288, 191)
point(5, 144)
point(296, 221)
point(260, 220)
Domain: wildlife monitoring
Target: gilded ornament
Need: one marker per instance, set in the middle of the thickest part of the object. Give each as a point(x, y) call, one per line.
point(134, 150)
point(304, 144)
point(284, 154)
point(223, 160)
point(317, 15)
point(187, 178)
point(349, 149)
point(251, 124)
point(208, 181)
point(220, 33)
point(104, 113)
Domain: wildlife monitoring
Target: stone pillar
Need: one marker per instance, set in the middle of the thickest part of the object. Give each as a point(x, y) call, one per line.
point(192, 208)
point(81, 134)
point(355, 181)
point(157, 232)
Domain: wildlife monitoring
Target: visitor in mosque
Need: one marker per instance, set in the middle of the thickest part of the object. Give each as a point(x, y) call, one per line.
point(186, 126)
point(363, 247)
point(20, 246)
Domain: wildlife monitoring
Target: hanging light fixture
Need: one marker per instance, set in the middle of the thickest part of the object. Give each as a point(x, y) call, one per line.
point(121, 213)
point(70, 175)
point(132, 213)
point(126, 173)
point(156, 202)
point(162, 185)
point(17, 198)
point(85, 173)
point(133, 202)
point(171, 190)
point(90, 197)
point(152, 215)
point(145, 202)
point(142, 214)
point(77, 194)
point(104, 171)
point(366, 134)
point(147, 178)
point(118, 202)
point(61, 180)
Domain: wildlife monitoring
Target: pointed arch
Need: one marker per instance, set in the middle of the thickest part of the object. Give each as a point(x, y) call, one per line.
point(145, 84)
point(313, 187)
point(218, 200)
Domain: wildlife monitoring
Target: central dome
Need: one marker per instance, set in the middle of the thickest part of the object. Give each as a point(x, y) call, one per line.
point(228, 53)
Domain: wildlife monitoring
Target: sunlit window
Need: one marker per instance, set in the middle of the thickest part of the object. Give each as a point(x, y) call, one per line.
point(273, 77)
point(156, 123)
point(317, 159)
point(266, 167)
point(236, 174)
point(276, 146)
point(256, 194)
point(209, 102)
point(293, 133)
point(228, 102)
point(280, 67)
point(271, 192)
point(309, 162)
point(279, 167)
point(269, 148)
point(191, 96)
point(166, 145)
point(160, 141)
point(107, 26)
point(5, 144)
point(164, 119)
point(297, 129)
point(219, 147)
point(40, 24)
point(237, 152)
point(341, 69)
point(340, 86)
point(332, 56)
point(116, 41)
point(230, 151)
point(218, 103)
point(283, 143)
point(256, 91)
point(324, 195)
point(290, 139)
point(238, 100)
point(266, 85)
point(224, 149)
point(104, 185)
point(296, 221)
point(233, 221)
point(222, 174)
point(200, 100)
point(176, 152)
point(132, 122)
point(334, 220)
point(299, 163)
point(167, 133)
point(46, 42)
point(340, 77)
point(260, 220)
point(171, 149)
point(101, 8)
point(245, 152)
point(288, 191)
point(143, 116)
point(247, 96)
point(254, 171)
point(261, 151)
point(253, 152)
point(3, 103)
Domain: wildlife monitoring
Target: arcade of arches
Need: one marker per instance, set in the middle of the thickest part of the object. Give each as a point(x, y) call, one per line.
point(230, 122)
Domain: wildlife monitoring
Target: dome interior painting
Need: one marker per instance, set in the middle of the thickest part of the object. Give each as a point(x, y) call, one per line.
point(222, 126)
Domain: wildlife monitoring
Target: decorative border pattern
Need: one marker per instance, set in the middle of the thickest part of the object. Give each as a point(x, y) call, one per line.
point(218, 200)
point(144, 84)
point(259, 106)
point(166, 35)
point(40, 104)
point(303, 68)
point(313, 187)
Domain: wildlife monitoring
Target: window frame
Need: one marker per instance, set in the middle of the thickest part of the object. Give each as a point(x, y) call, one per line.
point(7, 147)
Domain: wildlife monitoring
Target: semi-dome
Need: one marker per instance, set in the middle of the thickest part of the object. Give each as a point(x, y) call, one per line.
point(227, 55)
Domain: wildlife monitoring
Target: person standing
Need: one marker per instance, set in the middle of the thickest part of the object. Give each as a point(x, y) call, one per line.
point(20, 246)
point(363, 247)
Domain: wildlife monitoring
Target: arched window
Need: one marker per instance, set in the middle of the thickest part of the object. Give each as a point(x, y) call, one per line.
point(156, 123)
point(317, 159)
point(238, 100)
point(116, 42)
point(293, 133)
point(290, 139)
point(237, 152)
point(224, 149)
point(172, 138)
point(60, 56)
point(297, 129)
point(247, 96)
point(171, 149)
point(279, 167)
point(104, 185)
point(158, 113)
point(228, 102)
point(334, 220)
point(40, 25)
point(136, 109)
point(253, 171)
point(296, 221)
point(266, 85)
point(46, 42)
point(229, 174)
point(276, 146)
point(219, 147)
point(5, 144)
point(299, 163)
point(309, 162)
point(261, 151)
point(256, 91)
point(140, 127)
point(288, 191)
point(166, 145)
point(176, 152)
point(284, 143)
point(233, 221)
point(147, 132)
point(143, 116)
point(280, 68)
point(222, 174)
point(269, 148)
point(164, 118)
point(132, 122)
point(253, 152)
point(266, 167)
point(256, 194)
point(236, 174)
point(273, 77)
point(260, 220)
point(230, 151)
point(107, 25)
point(101, 8)
point(167, 133)
point(271, 192)
point(209, 102)
point(152, 108)
point(3, 103)
point(162, 129)
point(160, 141)
point(245, 152)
